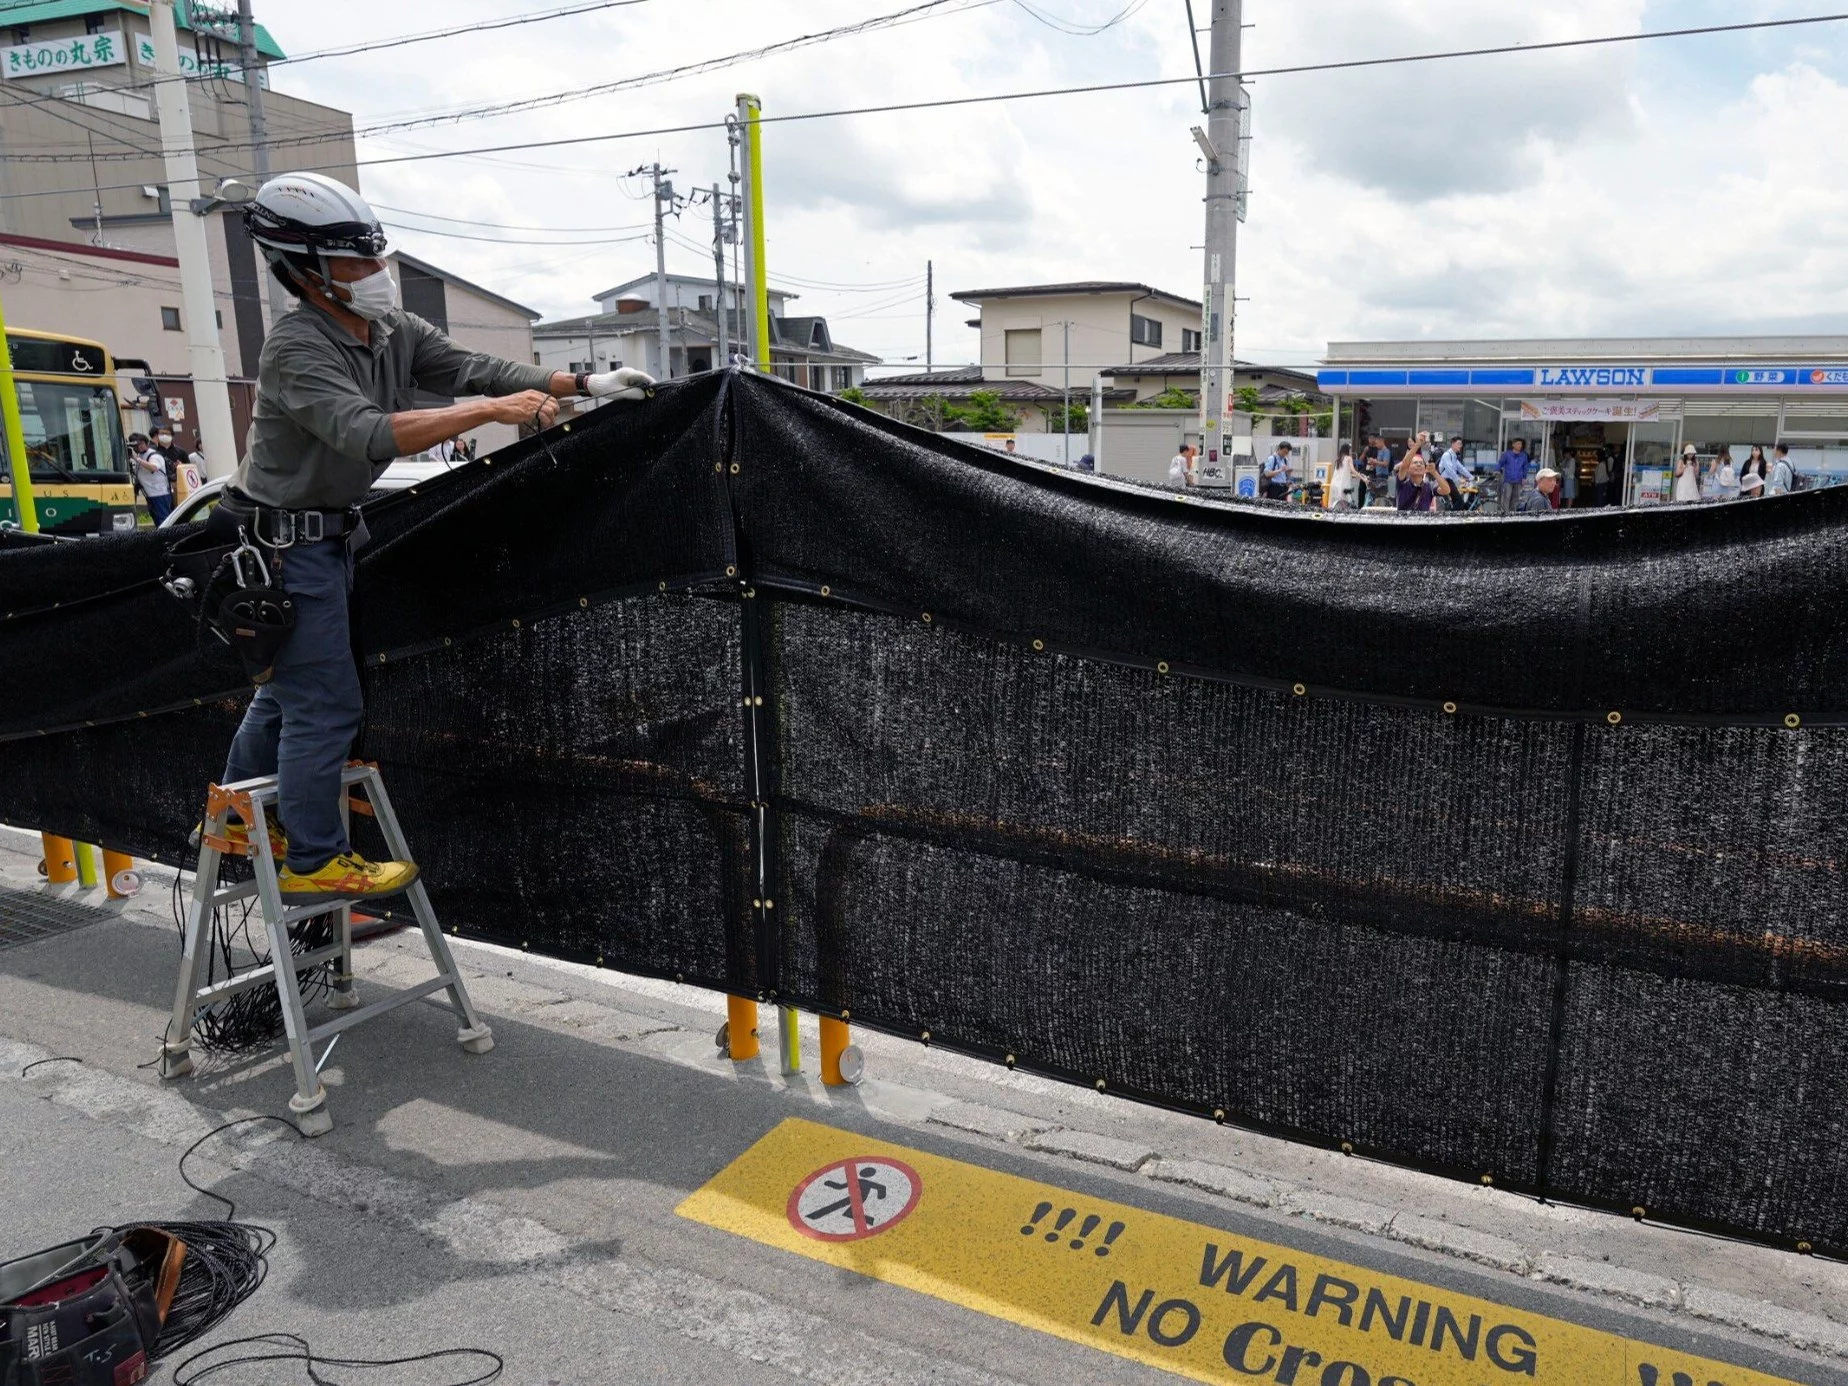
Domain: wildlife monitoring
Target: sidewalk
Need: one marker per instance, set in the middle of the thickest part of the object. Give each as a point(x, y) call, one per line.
point(523, 1200)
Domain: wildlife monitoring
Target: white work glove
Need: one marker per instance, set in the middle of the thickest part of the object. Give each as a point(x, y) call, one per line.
point(621, 383)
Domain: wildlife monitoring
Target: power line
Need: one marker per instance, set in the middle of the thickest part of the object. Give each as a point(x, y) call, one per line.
point(507, 22)
point(1072, 27)
point(503, 226)
point(503, 240)
point(1088, 89)
point(924, 10)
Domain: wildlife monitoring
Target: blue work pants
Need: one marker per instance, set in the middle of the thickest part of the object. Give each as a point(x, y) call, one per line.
point(300, 726)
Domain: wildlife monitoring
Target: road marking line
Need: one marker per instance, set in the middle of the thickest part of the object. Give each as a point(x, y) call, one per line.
point(1182, 1296)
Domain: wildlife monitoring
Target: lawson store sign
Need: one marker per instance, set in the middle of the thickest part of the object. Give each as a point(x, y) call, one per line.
point(1676, 379)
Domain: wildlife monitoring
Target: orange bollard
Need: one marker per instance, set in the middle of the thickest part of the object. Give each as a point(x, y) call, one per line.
point(834, 1041)
point(114, 864)
point(60, 859)
point(741, 1027)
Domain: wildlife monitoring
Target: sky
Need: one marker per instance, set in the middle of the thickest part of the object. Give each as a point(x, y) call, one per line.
point(1675, 186)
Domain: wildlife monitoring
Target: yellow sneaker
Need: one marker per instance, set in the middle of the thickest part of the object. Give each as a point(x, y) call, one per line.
point(237, 833)
point(349, 877)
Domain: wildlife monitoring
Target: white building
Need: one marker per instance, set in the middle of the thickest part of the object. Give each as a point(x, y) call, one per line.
point(625, 332)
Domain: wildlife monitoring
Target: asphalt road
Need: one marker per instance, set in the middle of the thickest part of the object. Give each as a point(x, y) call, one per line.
point(525, 1201)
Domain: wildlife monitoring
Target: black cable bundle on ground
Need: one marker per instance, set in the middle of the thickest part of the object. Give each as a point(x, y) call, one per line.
point(250, 1019)
point(225, 1264)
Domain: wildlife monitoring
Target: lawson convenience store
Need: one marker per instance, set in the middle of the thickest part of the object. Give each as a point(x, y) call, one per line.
point(1626, 403)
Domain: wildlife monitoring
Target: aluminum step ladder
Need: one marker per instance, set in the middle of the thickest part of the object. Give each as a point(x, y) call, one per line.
point(254, 801)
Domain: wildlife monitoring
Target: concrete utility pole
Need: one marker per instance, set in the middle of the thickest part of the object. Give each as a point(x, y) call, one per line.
point(1065, 425)
point(259, 137)
point(217, 436)
point(718, 273)
point(663, 204)
point(1224, 157)
point(930, 312)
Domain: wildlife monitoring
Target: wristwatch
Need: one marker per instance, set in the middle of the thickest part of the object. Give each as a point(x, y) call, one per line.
point(583, 382)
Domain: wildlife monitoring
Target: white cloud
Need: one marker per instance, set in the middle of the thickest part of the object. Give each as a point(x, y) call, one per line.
point(1686, 185)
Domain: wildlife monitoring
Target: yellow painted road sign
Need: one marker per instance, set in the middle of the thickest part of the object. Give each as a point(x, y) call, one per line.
point(1191, 1299)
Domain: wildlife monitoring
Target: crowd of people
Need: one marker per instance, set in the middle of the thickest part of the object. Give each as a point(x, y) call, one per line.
point(1723, 480)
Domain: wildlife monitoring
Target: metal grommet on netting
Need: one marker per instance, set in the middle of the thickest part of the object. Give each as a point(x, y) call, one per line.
point(1162, 667)
point(846, 1015)
point(381, 659)
point(1639, 1212)
point(1347, 1147)
point(1804, 1248)
point(1010, 1061)
point(734, 469)
point(731, 570)
point(661, 587)
point(1299, 689)
point(1100, 1084)
point(826, 591)
point(448, 640)
point(1488, 1179)
point(1219, 1114)
point(584, 602)
point(1038, 645)
point(1614, 718)
point(924, 1035)
point(758, 700)
point(1450, 708)
point(516, 622)
point(718, 467)
point(1792, 721)
point(927, 618)
point(564, 428)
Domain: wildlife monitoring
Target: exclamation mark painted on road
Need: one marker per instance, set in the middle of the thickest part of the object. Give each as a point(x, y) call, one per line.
point(1038, 1213)
point(1090, 1226)
point(1065, 1216)
point(1111, 1233)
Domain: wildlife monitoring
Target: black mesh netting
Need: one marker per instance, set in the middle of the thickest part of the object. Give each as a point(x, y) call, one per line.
point(1509, 848)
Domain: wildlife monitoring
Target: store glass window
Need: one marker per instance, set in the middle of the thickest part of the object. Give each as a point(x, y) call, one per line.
point(1393, 419)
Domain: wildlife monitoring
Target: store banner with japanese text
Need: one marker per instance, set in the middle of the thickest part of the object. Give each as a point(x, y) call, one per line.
point(1592, 410)
point(71, 54)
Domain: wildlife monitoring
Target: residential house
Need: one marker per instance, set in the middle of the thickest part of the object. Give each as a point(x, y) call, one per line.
point(626, 332)
point(1041, 340)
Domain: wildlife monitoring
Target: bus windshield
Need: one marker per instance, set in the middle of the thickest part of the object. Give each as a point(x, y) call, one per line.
point(71, 428)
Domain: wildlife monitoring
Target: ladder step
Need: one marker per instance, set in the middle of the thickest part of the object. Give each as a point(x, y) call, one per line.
point(379, 1007)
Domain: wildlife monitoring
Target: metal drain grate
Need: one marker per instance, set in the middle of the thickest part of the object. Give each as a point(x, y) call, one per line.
point(27, 916)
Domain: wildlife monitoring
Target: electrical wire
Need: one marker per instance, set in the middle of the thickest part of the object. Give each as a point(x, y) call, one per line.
point(505, 240)
point(503, 226)
point(926, 9)
point(289, 1347)
point(944, 103)
point(1072, 27)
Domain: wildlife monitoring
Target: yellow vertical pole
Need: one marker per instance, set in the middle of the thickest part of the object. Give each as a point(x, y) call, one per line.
point(114, 864)
point(60, 859)
point(25, 504)
point(86, 865)
point(760, 288)
point(741, 1026)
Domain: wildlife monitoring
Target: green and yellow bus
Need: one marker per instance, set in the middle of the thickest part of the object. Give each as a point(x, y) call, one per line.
point(73, 426)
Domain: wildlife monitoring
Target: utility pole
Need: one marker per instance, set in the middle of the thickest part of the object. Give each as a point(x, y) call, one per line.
point(718, 273)
point(663, 204)
point(217, 436)
point(259, 138)
point(1065, 424)
point(1224, 158)
point(930, 312)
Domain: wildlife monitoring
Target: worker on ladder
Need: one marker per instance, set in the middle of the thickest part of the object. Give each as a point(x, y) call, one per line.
point(326, 424)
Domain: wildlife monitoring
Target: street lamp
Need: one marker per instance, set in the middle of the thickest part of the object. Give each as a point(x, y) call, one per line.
point(229, 193)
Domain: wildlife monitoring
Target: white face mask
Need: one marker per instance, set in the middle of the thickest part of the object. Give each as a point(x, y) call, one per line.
point(374, 296)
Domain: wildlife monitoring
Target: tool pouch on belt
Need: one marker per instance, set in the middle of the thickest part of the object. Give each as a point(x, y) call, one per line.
point(227, 581)
point(87, 1313)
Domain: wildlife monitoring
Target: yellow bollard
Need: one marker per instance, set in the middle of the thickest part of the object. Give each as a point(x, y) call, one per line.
point(741, 1027)
point(60, 859)
point(114, 864)
point(834, 1040)
point(86, 865)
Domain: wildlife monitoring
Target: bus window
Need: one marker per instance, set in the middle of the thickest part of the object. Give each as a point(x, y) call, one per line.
point(70, 428)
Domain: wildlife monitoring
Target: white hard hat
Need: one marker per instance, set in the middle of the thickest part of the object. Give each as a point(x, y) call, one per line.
point(312, 214)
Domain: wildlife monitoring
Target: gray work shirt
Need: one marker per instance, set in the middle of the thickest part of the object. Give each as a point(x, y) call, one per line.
point(321, 432)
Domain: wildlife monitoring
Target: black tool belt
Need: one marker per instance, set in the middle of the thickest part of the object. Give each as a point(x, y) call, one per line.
point(87, 1313)
point(277, 528)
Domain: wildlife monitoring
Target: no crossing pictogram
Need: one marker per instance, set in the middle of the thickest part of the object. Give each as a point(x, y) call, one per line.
point(852, 1199)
